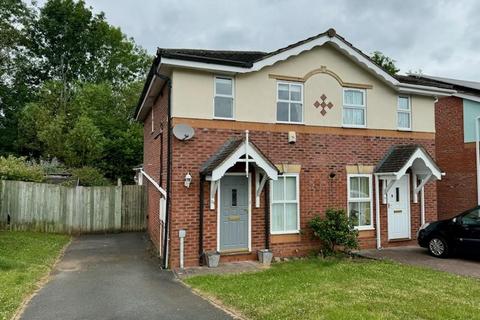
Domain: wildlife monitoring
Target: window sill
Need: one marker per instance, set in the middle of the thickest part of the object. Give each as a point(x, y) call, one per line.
point(284, 232)
point(404, 129)
point(346, 126)
point(364, 228)
point(225, 119)
point(288, 122)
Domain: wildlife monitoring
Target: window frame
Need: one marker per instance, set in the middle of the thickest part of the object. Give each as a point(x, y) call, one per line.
point(409, 111)
point(215, 77)
point(289, 83)
point(297, 201)
point(351, 106)
point(361, 200)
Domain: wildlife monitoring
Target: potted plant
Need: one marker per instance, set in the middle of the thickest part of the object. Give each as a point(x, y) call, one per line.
point(265, 256)
point(212, 257)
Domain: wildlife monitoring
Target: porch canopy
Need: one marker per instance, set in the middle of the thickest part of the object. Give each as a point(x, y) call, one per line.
point(401, 158)
point(233, 151)
point(394, 165)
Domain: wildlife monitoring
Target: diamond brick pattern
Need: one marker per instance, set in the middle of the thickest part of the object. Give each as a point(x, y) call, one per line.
point(323, 104)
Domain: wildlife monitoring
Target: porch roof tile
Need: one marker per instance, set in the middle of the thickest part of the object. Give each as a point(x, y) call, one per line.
point(397, 157)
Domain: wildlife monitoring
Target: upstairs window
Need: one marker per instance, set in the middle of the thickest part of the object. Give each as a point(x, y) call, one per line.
point(354, 108)
point(289, 102)
point(404, 113)
point(223, 100)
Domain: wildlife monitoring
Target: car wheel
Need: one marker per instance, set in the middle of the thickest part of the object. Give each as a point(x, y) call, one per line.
point(438, 247)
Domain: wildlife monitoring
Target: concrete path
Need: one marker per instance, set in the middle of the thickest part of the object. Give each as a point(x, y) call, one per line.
point(465, 266)
point(113, 277)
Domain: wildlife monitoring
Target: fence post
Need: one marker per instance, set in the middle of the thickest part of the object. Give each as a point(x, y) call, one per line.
point(118, 206)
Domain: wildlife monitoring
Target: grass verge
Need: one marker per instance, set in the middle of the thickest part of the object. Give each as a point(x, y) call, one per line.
point(345, 289)
point(25, 257)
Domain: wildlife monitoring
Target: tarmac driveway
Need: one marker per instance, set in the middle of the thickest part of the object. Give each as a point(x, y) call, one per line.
point(414, 255)
point(114, 277)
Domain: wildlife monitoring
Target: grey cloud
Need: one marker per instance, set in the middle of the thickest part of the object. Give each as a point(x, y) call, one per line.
point(439, 37)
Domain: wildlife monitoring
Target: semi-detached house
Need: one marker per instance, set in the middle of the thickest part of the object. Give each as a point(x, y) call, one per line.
point(279, 137)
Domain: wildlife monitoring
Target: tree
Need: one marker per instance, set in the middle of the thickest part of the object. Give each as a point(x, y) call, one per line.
point(84, 143)
point(76, 45)
point(69, 82)
point(93, 127)
point(56, 47)
point(17, 86)
point(385, 62)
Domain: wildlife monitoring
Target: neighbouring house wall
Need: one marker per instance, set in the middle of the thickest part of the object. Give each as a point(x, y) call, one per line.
point(318, 152)
point(255, 93)
point(154, 141)
point(457, 189)
point(471, 111)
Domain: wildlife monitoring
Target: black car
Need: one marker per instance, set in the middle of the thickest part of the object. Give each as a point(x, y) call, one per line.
point(461, 233)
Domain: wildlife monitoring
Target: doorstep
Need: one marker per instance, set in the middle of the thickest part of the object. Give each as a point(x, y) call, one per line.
point(223, 268)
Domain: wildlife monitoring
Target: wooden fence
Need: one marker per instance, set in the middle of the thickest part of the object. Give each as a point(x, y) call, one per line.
point(53, 208)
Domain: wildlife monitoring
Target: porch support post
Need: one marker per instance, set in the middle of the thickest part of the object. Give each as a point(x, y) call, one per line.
point(259, 185)
point(414, 187)
point(267, 218)
point(422, 206)
point(213, 191)
point(377, 212)
point(422, 183)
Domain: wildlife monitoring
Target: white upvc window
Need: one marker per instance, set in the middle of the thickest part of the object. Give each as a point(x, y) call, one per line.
point(360, 204)
point(289, 102)
point(354, 108)
point(223, 101)
point(404, 113)
point(284, 204)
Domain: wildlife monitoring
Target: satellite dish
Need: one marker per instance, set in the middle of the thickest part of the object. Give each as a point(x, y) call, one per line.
point(183, 132)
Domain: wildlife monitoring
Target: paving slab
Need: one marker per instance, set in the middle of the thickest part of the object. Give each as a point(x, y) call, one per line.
point(113, 276)
point(414, 255)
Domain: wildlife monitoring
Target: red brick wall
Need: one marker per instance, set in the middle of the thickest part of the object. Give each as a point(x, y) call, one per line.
point(153, 142)
point(457, 189)
point(318, 154)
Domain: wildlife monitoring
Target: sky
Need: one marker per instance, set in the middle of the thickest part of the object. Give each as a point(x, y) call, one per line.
point(438, 37)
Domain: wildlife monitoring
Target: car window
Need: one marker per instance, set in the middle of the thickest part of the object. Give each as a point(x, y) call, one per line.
point(472, 218)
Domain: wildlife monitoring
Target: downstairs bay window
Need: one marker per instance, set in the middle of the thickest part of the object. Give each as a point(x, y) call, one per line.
point(360, 204)
point(285, 211)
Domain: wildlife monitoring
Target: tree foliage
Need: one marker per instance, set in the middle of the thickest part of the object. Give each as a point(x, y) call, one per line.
point(334, 230)
point(69, 82)
point(385, 62)
point(13, 168)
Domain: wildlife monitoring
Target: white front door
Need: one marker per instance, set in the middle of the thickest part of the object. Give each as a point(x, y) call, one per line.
point(398, 199)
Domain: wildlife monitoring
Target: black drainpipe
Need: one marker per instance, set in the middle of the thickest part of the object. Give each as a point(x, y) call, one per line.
point(169, 166)
point(267, 216)
point(202, 204)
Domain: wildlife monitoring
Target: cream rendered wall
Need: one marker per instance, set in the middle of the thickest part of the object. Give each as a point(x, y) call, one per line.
point(255, 93)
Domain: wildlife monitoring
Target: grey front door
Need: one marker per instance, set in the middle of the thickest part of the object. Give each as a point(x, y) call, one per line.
point(233, 213)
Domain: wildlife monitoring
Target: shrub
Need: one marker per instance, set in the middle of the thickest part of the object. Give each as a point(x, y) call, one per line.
point(334, 230)
point(88, 176)
point(12, 168)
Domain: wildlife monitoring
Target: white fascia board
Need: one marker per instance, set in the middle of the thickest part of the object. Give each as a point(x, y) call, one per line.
point(148, 91)
point(425, 90)
point(467, 96)
point(204, 66)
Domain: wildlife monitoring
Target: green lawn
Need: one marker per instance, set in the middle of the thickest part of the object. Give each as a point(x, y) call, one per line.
point(25, 257)
point(345, 289)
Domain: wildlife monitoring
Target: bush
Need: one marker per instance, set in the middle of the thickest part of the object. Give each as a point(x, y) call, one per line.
point(12, 168)
point(88, 176)
point(334, 230)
